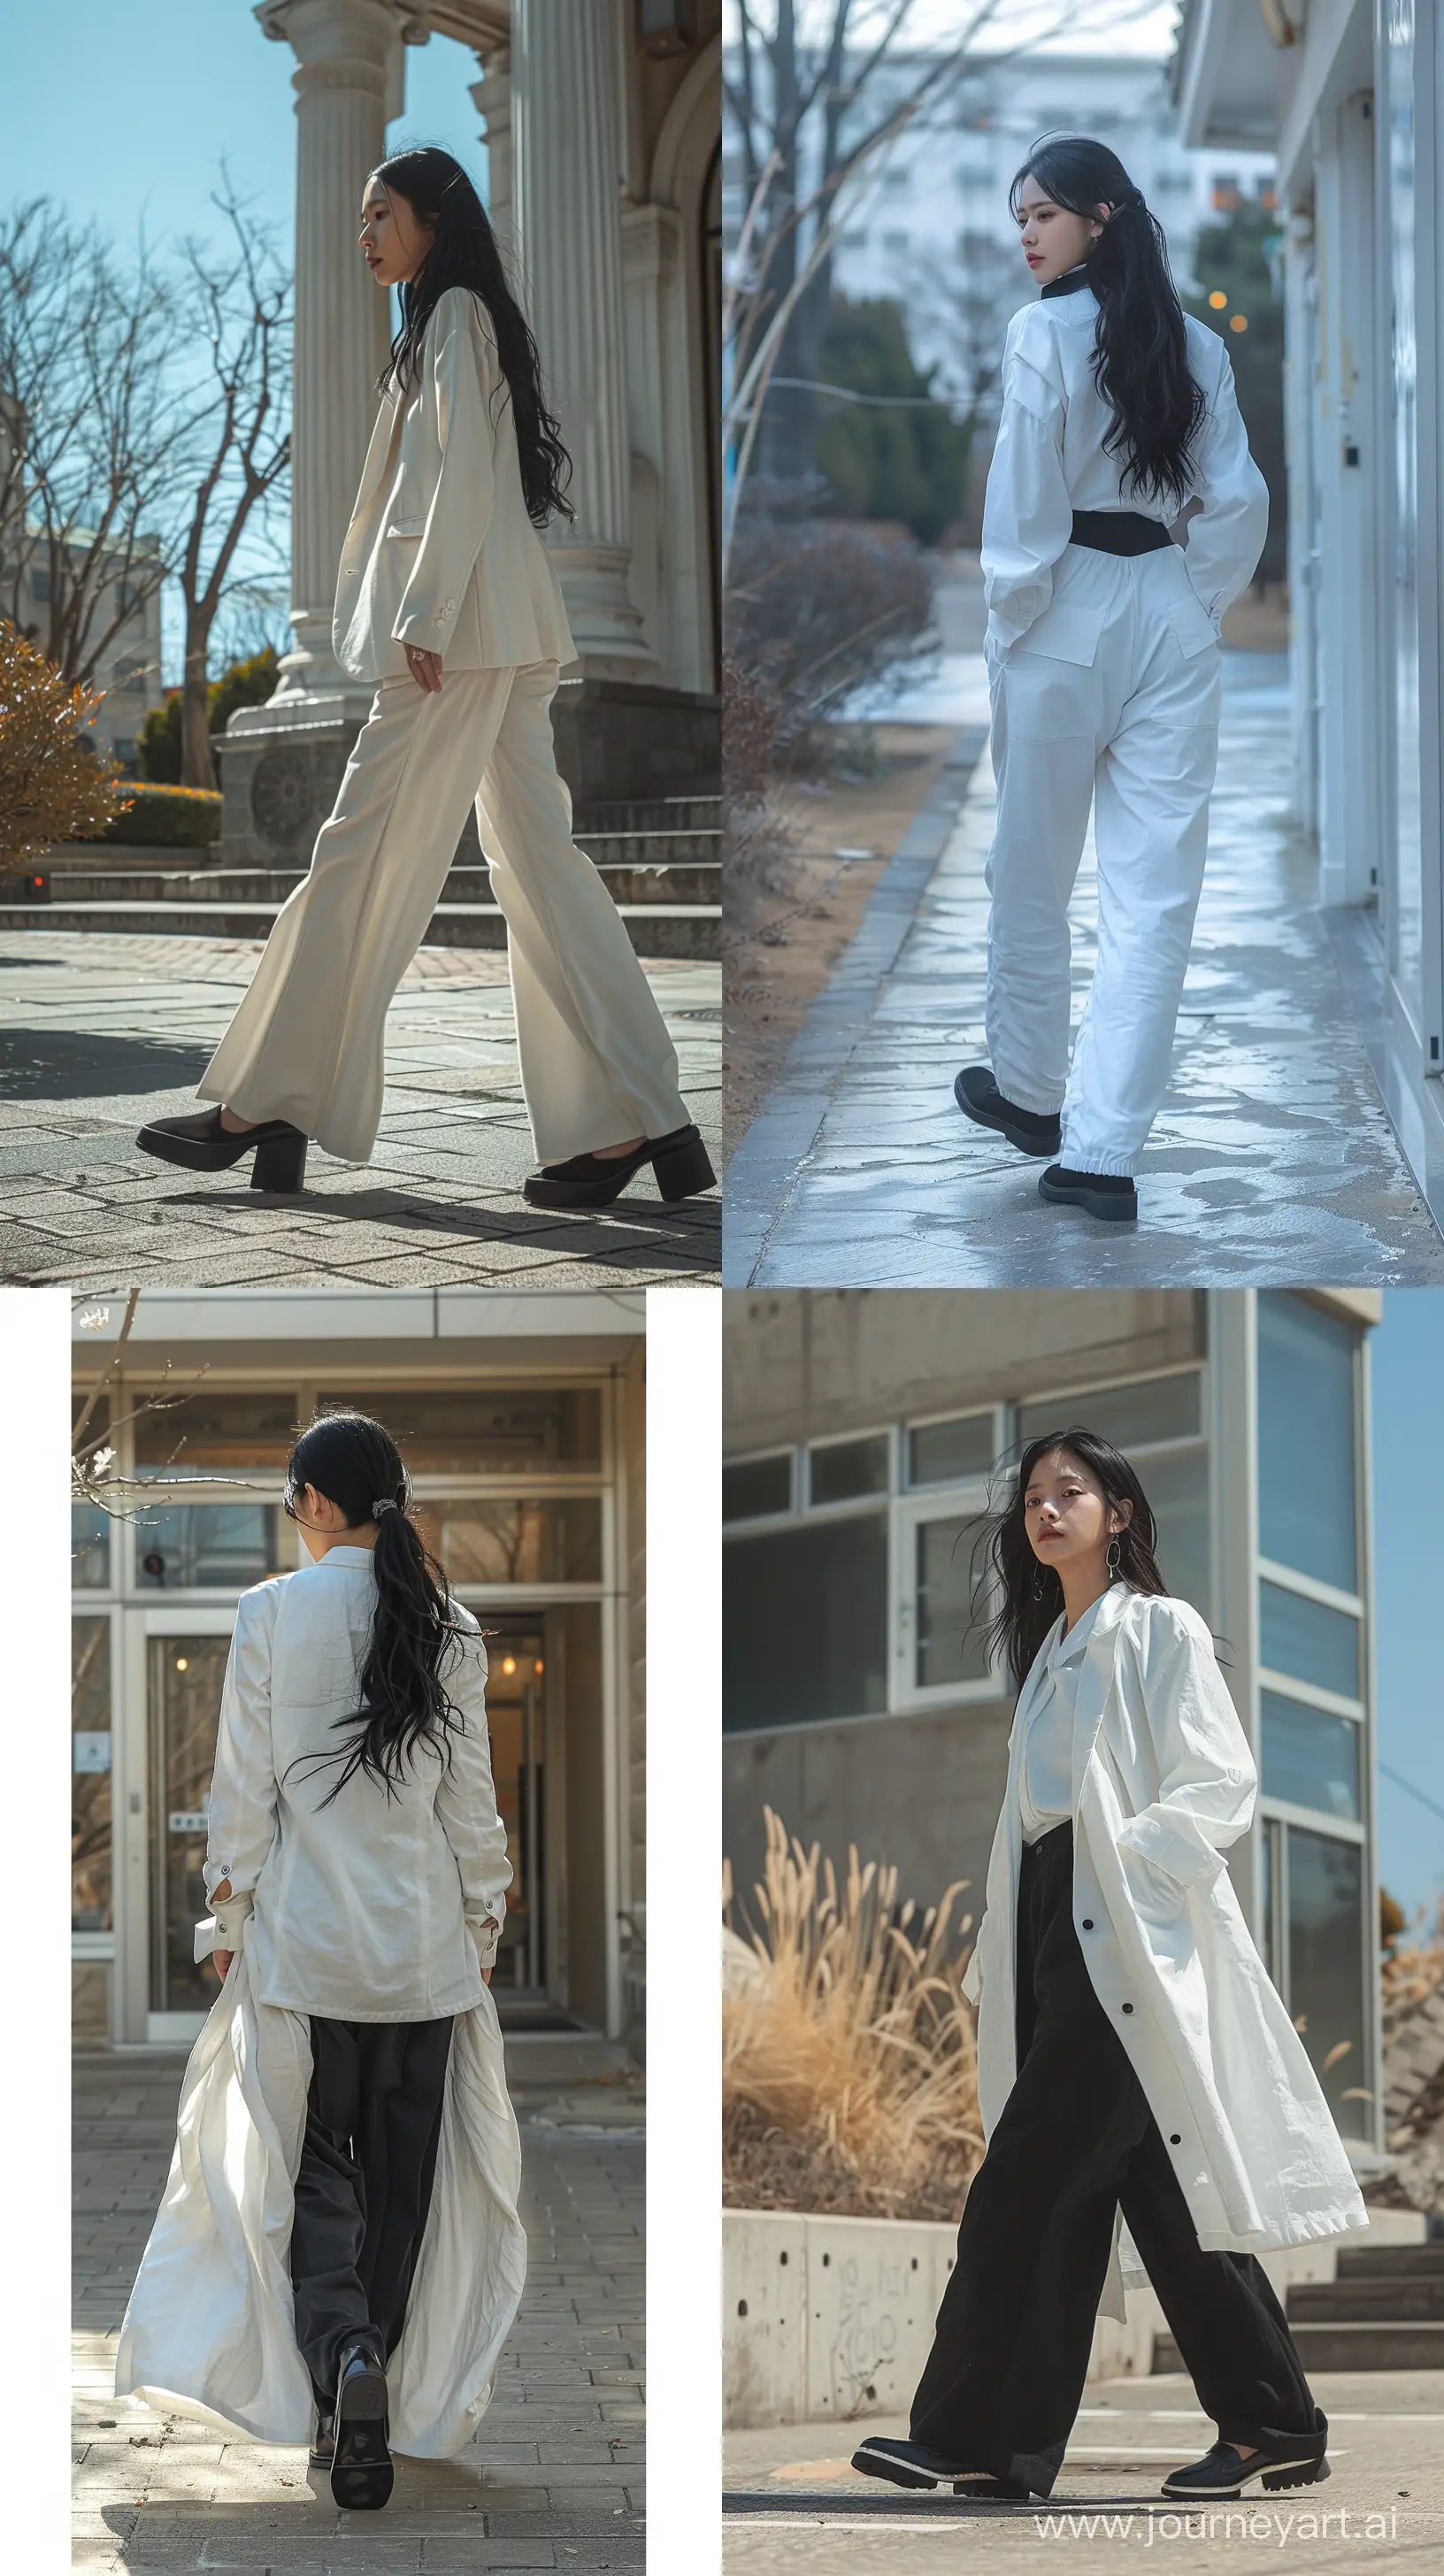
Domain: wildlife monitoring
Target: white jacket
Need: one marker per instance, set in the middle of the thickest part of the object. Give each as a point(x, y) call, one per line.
point(1163, 1782)
point(372, 1908)
point(1050, 460)
point(440, 551)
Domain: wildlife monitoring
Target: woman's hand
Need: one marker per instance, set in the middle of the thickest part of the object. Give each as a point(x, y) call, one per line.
point(221, 1962)
point(425, 667)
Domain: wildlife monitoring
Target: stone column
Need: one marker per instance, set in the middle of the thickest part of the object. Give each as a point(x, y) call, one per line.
point(567, 178)
point(342, 50)
point(491, 97)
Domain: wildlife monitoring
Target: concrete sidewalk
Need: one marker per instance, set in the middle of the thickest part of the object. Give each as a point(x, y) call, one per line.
point(100, 1033)
point(553, 2478)
point(1272, 1160)
point(793, 2504)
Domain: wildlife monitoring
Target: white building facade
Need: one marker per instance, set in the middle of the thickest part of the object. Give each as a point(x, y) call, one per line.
point(1350, 95)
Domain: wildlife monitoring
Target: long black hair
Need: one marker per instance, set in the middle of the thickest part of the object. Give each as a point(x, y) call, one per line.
point(1140, 363)
point(463, 252)
point(356, 1464)
point(1030, 1594)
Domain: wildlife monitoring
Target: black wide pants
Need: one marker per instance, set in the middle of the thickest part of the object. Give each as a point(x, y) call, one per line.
point(1005, 2376)
point(363, 2188)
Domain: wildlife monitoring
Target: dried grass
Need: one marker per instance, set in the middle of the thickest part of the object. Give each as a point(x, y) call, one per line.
point(849, 2069)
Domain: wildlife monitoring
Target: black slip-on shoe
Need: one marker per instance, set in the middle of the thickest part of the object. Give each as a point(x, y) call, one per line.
point(912, 2464)
point(1110, 1195)
point(1031, 1130)
point(680, 1162)
point(202, 1144)
point(323, 2441)
point(361, 2472)
point(1281, 2460)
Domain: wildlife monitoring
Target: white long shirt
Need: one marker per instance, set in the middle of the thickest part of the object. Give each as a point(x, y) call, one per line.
point(1045, 1771)
point(371, 1908)
point(1050, 460)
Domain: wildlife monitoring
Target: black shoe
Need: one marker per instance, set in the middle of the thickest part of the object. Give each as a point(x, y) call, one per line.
point(323, 2443)
point(1281, 2460)
point(1110, 1195)
point(978, 1097)
point(361, 2472)
point(594, 1180)
point(912, 2464)
point(202, 1144)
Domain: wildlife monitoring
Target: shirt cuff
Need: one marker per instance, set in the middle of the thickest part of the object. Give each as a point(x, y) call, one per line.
point(1181, 1851)
point(485, 1931)
point(221, 1929)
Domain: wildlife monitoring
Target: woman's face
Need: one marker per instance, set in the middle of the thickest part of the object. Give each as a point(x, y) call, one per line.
point(1066, 1513)
point(1053, 239)
point(393, 236)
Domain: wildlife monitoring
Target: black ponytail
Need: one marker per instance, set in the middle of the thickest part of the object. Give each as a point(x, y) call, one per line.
point(356, 1464)
point(1140, 363)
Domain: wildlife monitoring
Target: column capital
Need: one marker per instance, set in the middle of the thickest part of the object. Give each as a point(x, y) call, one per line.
point(337, 31)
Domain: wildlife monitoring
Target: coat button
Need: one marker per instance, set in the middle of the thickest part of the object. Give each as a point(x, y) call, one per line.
point(1128, 2007)
point(1087, 1922)
point(1175, 2140)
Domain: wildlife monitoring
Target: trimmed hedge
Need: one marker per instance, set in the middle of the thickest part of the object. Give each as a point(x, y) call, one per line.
point(174, 818)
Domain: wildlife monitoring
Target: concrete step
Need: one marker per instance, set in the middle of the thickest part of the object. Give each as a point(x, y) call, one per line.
point(1416, 2346)
point(1366, 2301)
point(655, 929)
point(1358, 2262)
point(654, 881)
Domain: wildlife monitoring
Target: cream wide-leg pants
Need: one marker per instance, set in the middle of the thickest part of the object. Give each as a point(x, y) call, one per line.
point(1134, 733)
point(308, 1041)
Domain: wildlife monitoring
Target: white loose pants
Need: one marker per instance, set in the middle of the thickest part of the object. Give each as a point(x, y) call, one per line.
point(308, 1041)
point(1134, 732)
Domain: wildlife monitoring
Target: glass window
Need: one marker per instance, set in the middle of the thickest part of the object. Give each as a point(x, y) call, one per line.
point(90, 1856)
point(558, 1540)
point(1309, 1640)
point(89, 1547)
point(226, 1546)
point(1326, 1946)
point(943, 1453)
point(204, 1435)
point(950, 1645)
point(486, 1431)
point(804, 1623)
point(1306, 1439)
point(1177, 1488)
point(1159, 1408)
point(1309, 1758)
point(1268, 1880)
point(756, 1486)
point(847, 1469)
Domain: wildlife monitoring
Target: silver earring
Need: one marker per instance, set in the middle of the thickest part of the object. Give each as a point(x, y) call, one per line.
point(1115, 1559)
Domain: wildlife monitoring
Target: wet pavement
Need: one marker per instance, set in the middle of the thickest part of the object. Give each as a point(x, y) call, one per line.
point(1272, 1159)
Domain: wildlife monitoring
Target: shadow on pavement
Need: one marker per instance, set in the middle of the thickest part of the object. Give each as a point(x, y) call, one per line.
point(68, 1064)
point(847, 2507)
point(627, 1231)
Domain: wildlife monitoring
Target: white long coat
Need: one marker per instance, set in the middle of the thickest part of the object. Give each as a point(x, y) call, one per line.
point(1162, 1782)
point(369, 1909)
point(440, 551)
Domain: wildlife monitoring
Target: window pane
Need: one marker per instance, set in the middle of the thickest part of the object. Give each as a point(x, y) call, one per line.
point(477, 1431)
point(804, 1623)
point(1160, 1408)
point(203, 1435)
point(89, 1547)
point(1306, 1439)
point(1309, 1640)
point(755, 1486)
point(1309, 1758)
point(840, 1473)
point(941, 1453)
point(90, 1907)
point(950, 1644)
point(1326, 1967)
point(1177, 1488)
point(556, 1541)
point(180, 1546)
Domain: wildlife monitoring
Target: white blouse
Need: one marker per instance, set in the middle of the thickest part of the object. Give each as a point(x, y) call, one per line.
point(1050, 460)
point(1045, 1771)
point(371, 1908)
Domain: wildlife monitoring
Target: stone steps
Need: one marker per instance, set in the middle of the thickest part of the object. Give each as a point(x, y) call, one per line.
point(1383, 2311)
point(658, 881)
point(655, 929)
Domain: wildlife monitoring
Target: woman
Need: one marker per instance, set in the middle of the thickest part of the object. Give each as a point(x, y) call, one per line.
point(1135, 2062)
point(340, 2230)
point(1103, 661)
point(449, 600)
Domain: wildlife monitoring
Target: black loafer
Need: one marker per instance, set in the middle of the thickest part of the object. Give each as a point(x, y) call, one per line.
point(202, 1144)
point(1110, 1195)
point(979, 1098)
point(679, 1161)
point(1281, 2460)
point(912, 2464)
point(362, 2476)
point(323, 2441)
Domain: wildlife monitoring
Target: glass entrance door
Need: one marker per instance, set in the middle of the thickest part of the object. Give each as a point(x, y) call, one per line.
point(516, 1703)
point(184, 1679)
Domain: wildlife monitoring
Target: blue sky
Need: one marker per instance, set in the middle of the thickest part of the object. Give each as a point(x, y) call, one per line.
point(1407, 1359)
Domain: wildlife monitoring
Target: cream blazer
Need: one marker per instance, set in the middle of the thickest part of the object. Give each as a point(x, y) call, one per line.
point(1163, 1781)
point(440, 551)
point(372, 1908)
point(1050, 460)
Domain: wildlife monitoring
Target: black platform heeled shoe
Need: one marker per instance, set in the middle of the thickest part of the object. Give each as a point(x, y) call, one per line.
point(1029, 1131)
point(912, 2464)
point(1110, 1195)
point(202, 1144)
point(362, 2476)
point(680, 1162)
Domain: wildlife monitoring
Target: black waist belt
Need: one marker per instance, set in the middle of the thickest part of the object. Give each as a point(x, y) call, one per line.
point(1119, 532)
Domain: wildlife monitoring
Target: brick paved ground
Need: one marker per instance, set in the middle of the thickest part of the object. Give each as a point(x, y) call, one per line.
point(99, 1033)
point(553, 2479)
